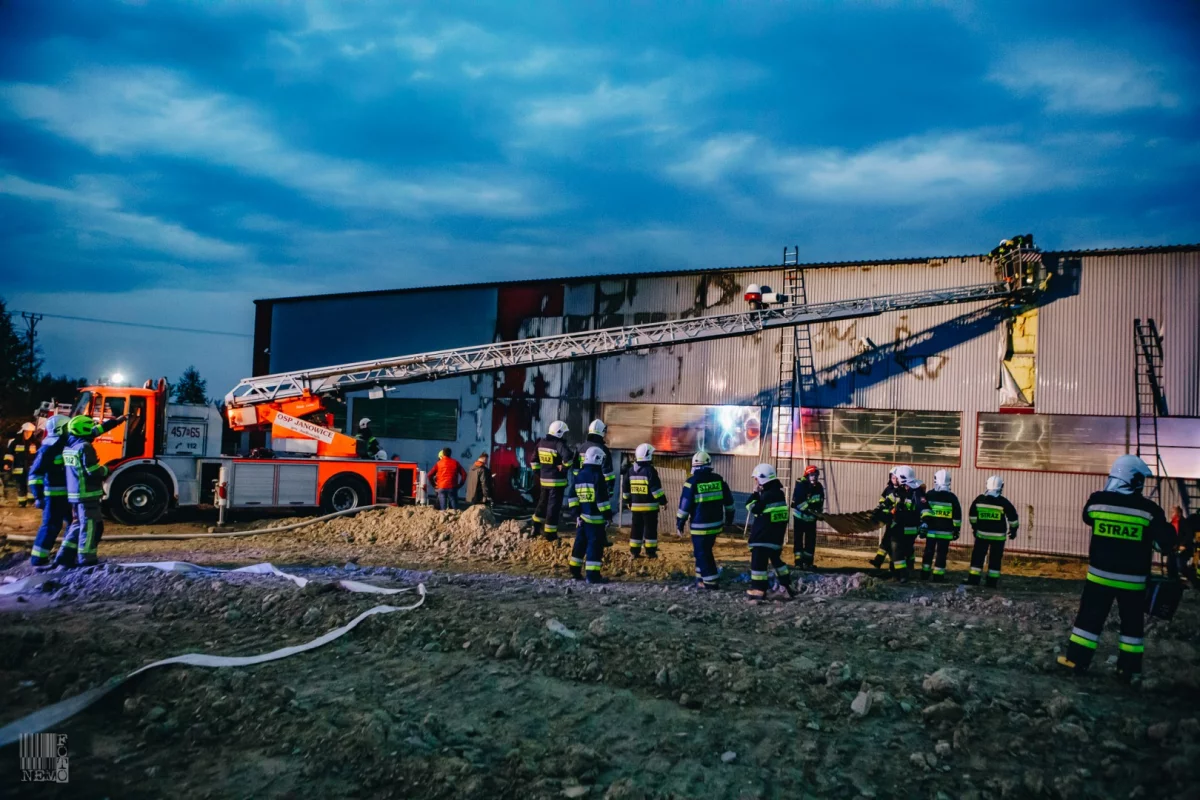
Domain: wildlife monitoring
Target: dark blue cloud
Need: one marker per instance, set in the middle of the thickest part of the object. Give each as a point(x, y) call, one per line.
point(204, 150)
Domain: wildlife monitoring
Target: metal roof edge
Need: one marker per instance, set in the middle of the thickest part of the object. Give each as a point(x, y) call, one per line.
point(1173, 248)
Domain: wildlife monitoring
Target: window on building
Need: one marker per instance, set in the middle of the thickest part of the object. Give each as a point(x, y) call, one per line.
point(1084, 444)
point(409, 418)
point(887, 437)
point(678, 428)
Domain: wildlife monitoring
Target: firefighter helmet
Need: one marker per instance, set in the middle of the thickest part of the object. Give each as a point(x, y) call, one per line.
point(364, 423)
point(644, 452)
point(941, 480)
point(598, 427)
point(701, 459)
point(558, 428)
point(57, 424)
point(28, 427)
point(811, 471)
point(995, 484)
point(1129, 471)
point(594, 456)
point(82, 425)
point(763, 474)
point(906, 475)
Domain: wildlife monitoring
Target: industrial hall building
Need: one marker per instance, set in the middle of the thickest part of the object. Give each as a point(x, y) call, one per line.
point(1103, 361)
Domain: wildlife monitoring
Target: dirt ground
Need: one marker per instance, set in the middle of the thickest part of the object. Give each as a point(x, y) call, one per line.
point(513, 681)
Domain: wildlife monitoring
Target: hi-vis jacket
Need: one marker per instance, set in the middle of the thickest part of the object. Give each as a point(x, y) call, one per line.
point(911, 504)
point(589, 493)
point(944, 515)
point(85, 473)
point(1125, 528)
point(48, 475)
point(769, 508)
point(553, 457)
point(19, 453)
point(808, 499)
point(705, 501)
point(993, 517)
point(642, 488)
point(888, 499)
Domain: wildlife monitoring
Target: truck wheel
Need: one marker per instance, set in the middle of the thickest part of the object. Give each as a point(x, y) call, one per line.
point(137, 498)
point(344, 492)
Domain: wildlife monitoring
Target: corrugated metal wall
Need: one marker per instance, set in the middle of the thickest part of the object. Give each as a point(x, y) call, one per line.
point(943, 358)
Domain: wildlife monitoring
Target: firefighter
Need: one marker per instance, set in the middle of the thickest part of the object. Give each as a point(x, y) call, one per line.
point(365, 442)
point(48, 485)
point(553, 459)
point(1126, 526)
point(641, 488)
point(18, 457)
point(590, 490)
point(707, 505)
point(993, 519)
point(884, 512)
point(769, 509)
point(597, 430)
point(911, 503)
point(943, 519)
point(85, 488)
point(808, 500)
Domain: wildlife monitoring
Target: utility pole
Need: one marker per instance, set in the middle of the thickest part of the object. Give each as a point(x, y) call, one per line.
point(31, 321)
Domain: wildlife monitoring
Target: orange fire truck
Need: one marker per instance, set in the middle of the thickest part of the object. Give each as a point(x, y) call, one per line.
point(169, 455)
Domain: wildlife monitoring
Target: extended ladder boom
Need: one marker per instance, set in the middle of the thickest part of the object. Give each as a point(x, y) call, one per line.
point(586, 344)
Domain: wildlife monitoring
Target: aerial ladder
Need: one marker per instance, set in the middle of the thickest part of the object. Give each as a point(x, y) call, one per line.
point(289, 403)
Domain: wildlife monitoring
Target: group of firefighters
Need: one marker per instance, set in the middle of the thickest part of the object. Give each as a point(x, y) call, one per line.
point(1126, 528)
point(61, 475)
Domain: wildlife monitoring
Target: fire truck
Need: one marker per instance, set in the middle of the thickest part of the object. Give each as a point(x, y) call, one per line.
point(168, 455)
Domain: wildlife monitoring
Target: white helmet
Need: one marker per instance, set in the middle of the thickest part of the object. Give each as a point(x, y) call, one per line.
point(995, 485)
point(941, 480)
point(598, 427)
point(381, 455)
point(644, 452)
point(701, 459)
point(906, 475)
point(28, 427)
point(57, 424)
point(1128, 475)
point(558, 428)
point(594, 455)
point(763, 474)
point(364, 423)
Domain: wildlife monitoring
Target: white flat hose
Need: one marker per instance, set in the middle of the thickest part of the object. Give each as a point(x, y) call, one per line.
point(49, 716)
point(158, 537)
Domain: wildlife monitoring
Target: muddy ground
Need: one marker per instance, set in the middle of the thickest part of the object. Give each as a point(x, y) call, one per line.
point(857, 688)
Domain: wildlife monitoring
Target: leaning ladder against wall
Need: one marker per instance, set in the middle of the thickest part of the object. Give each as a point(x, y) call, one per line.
point(797, 378)
point(1150, 404)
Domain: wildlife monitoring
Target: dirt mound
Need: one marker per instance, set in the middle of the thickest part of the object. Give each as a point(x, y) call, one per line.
point(470, 534)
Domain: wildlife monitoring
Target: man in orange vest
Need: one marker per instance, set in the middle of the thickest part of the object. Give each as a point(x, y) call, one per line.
point(447, 475)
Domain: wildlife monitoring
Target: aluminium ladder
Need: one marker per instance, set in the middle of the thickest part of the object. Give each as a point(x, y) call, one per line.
point(1150, 403)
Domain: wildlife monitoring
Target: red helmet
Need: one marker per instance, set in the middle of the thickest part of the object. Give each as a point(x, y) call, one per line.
point(811, 470)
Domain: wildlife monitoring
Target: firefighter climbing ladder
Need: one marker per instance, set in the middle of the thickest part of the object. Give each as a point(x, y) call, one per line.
point(797, 375)
point(587, 344)
point(1150, 404)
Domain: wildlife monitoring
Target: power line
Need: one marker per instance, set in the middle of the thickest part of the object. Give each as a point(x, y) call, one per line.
point(141, 325)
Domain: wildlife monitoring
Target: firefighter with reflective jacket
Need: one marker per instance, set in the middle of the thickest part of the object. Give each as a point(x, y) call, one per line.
point(595, 438)
point(768, 509)
point(1126, 527)
point(554, 458)
point(994, 519)
point(808, 500)
point(590, 489)
point(85, 489)
point(706, 505)
point(365, 443)
point(911, 503)
point(48, 485)
point(18, 457)
point(885, 513)
point(642, 491)
point(943, 519)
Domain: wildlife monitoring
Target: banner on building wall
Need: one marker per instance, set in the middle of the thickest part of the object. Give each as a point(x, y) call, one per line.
point(675, 428)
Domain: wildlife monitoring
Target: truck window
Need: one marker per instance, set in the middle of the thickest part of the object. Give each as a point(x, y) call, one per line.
point(82, 404)
point(135, 428)
point(113, 407)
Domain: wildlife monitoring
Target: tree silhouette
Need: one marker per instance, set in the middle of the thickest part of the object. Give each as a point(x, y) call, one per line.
point(190, 388)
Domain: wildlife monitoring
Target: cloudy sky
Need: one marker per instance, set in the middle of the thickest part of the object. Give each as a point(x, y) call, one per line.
point(168, 162)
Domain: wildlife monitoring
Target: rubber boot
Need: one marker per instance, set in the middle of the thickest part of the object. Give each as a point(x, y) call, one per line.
point(635, 552)
point(39, 562)
point(577, 573)
point(652, 552)
point(972, 580)
point(594, 578)
point(939, 578)
point(992, 583)
point(877, 561)
point(926, 575)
